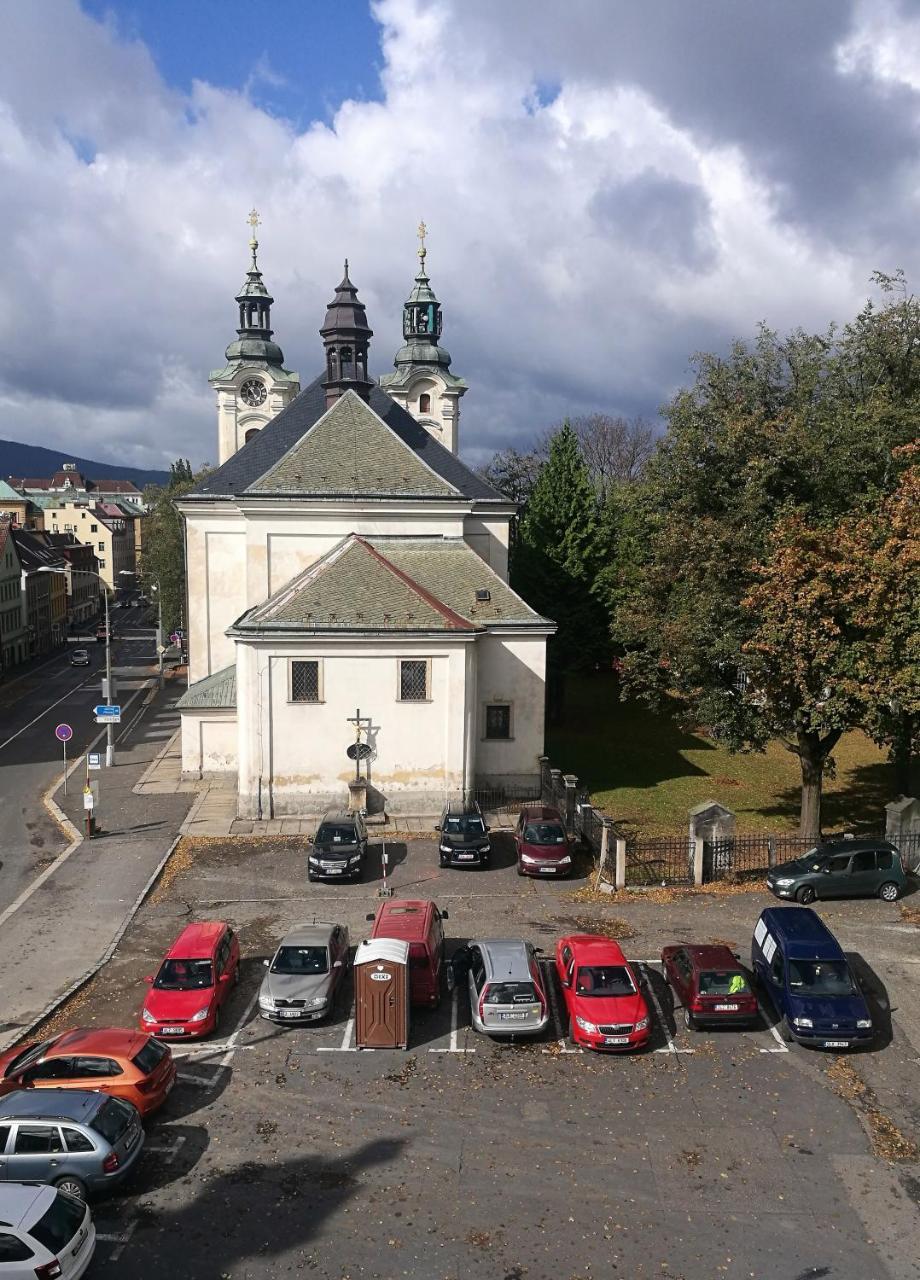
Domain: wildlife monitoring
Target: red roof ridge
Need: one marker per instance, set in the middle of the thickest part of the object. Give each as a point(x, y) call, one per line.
point(456, 621)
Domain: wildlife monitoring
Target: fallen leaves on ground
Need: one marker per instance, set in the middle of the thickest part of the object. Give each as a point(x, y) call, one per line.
point(888, 1142)
point(910, 914)
point(661, 895)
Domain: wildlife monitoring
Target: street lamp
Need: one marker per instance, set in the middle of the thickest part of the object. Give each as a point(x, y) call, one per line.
point(109, 728)
point(155, 586)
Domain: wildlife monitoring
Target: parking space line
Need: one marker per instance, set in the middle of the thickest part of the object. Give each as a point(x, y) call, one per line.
point(119, 1238)
point(346, 1046)
point(671, 1046)
point(783, 1048)
point(201, 1081)
point(454, 1017)
point(561, 1046)
point(231, 1043)
point(161, 1147)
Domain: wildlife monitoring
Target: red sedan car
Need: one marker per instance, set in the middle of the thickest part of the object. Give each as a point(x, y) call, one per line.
point(605, 1005)
point(195, 979)
point(711, 985)
point(541, 842)
point(114, 1060)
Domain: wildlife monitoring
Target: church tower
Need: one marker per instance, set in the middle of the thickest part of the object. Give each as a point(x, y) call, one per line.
point(423, 382)
point(346, 336)
point(254, 385)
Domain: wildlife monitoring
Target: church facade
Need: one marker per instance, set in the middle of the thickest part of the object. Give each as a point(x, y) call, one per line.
point(345, 569)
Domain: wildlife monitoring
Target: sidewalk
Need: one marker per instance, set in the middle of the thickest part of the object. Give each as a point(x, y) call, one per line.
point(64, 929)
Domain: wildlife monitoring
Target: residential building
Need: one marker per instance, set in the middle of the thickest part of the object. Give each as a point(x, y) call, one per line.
point(102, 526)
point(344, 565)
point(14, 634)
point(82, 576)
point(21, 510)
point(68, 483)
point(44, 591)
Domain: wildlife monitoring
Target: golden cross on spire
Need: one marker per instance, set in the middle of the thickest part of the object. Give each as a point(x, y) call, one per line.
point(422, 233)
point(254, 221)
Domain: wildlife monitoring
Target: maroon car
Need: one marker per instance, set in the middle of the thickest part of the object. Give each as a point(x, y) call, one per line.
point(711, 985)
point(541, 842)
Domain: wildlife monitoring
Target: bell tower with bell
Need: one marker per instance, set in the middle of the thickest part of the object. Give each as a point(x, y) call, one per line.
point(423, 382)
point(253, 386)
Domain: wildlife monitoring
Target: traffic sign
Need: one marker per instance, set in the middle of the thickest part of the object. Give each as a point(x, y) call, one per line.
point(63, 733)
point(94, 760)
point(103, 712)
point(161, 648)
point(176, 637)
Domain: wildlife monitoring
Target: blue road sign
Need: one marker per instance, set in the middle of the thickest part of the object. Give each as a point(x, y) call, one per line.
point(107, 713)
point(63, 733)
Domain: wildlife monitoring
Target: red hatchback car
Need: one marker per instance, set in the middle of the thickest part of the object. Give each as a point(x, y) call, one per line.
point(541, 843)
point(114, 1060)
point(711, 985)
point(195, 979)
point(605, 1006)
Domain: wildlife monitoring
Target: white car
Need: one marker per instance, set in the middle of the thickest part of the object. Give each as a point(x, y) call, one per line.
point(43, 1232)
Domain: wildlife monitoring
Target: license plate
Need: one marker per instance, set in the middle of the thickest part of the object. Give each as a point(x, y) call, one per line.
point(547, 871)
point(465, 857)
point(333, 871)
point(173, 1031)
point(289, 1013)
point(616, 1039)
point(507, 1017)
point(836, 1044)
point(131, 1139)
point(168, 1088)
point(726, 1008)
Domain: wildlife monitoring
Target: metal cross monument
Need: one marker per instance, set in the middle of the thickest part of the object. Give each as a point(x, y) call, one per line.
point(362, 725)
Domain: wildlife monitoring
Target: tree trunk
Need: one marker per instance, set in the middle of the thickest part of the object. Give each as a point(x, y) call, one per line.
point(901, 753)
point(813, 751)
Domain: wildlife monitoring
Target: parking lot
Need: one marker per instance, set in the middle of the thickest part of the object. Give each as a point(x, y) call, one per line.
point(284, 1151)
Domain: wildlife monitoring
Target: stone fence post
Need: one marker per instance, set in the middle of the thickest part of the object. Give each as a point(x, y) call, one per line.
point(710, 821)
point(571, 782)
point(902, 818)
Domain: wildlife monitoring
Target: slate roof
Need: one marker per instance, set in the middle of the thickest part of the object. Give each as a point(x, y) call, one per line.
point(215, 690)
point(398, 585)
point(268, 447)
point(351, 450)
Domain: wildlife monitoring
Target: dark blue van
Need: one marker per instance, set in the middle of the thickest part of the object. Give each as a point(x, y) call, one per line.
point(803, 969)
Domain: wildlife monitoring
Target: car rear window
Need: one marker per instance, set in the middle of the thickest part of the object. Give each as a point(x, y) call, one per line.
point(57, 1227)
point(112, 1118)
point(723, 983)
point(544, 833)
point(32, 1052)
point(511, 993)
point(149, 1056)
point(329, 834)
point(604, 980)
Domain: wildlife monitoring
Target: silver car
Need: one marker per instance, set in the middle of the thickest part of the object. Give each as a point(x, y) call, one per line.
point(305, 973)
point(507, 988)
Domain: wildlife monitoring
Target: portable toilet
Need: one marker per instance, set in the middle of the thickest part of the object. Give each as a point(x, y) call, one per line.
point(381, 971)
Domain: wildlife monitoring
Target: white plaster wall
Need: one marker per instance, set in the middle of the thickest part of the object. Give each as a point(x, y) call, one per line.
point(489, 539)
point(216, 567)
point(298, 749)
point(209, 742)
point(511, 668)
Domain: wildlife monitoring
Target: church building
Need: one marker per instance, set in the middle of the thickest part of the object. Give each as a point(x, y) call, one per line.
point(347, 574)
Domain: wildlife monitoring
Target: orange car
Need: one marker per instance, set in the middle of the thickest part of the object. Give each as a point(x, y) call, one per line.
point(126, 1064)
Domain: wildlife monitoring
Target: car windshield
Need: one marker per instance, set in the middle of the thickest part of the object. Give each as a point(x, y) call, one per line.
point(301, 960)
point(604, 980)
point(57, 1227)
point(184, 975)
point(112, 1119)
point(821, 977)
point(329, 834)
point(28, 1055)
point(511, 993)
point(723, 982)
point(464, 825)
point(544, 833)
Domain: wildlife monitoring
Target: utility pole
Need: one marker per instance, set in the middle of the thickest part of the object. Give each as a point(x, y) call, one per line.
point(109, 728)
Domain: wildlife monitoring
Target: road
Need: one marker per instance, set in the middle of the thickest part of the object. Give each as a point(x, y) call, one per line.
point(31, 705)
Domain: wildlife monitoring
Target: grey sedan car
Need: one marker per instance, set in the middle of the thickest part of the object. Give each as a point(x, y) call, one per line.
point(305, 973)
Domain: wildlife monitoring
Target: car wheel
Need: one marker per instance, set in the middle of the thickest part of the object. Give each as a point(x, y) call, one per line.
point(520, 869)
point(785, 1031)
point(689, 1021)
point(311, 877)
point(445, 862)
point(889, 891)
point(805, 895)
point(72, 1186)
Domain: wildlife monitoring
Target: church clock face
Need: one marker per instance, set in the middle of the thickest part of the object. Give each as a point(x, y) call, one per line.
point(253, 392)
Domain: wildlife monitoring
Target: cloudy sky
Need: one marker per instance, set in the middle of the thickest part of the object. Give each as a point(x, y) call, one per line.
point(609, 186)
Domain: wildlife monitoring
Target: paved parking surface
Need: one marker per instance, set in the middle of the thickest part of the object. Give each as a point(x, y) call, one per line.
point(283, 1151)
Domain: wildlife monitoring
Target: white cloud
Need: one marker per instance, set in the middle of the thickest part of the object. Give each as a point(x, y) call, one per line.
point(582, 249)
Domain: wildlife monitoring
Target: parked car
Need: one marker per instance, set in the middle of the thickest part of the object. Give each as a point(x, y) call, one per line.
point(194, 981)
point(841, 869)
point(305, 973)
point(805, 973)
point(79, 658)
point(606, 1008)
point(418, 922)
point(44, 1233)
point(507, 990)
point(711, 985)
point(339, 847)
point(82, 1142)
point(464, 836)
point(541, 842)
point(115, 1060)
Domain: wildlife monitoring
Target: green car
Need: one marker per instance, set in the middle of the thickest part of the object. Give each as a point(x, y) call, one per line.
point(841, 869)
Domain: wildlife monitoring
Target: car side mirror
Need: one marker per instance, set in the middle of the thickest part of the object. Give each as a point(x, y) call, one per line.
point(826, 870)
point(369, 916)
point(445, 914)
point(566, 982)
point(337, 964)
point(486, 829)
point(149, 978)
point(451, 977)
point(224, 977)
point(266, 963)
point(437, 826)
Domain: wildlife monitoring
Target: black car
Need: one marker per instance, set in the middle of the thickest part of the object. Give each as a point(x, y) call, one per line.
point(464, 838)
point(841, 869)
point(339, 847)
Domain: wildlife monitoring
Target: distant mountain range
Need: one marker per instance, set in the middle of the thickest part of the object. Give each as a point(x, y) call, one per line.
point(34, 461)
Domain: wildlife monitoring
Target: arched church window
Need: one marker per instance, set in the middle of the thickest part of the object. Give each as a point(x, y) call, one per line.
point(424, 403)
point(250, 434)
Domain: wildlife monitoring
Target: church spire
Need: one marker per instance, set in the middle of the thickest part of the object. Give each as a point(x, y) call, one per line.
point(346, 336)
point(255, 303)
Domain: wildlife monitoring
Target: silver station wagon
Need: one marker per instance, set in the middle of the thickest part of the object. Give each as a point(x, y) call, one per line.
point(507, 987)
point(305, 973)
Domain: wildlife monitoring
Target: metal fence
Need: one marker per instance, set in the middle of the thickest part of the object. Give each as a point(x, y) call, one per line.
point(656, 860)
point(504, 800)
point(742, 856)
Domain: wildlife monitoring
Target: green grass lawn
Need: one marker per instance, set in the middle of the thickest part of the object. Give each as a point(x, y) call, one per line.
point(643, 769)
